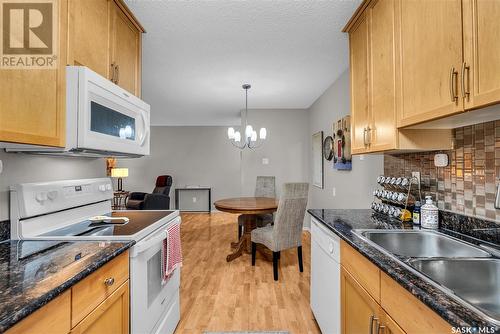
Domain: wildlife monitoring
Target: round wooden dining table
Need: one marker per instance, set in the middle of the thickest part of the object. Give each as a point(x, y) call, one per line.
point(248, 208)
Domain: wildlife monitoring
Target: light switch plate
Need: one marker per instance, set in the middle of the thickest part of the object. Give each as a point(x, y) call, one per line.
point(334, 191)
point(1, 166)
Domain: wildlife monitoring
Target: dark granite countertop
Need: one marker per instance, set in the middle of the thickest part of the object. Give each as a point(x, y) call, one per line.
point(342, 222)
point(32, 273)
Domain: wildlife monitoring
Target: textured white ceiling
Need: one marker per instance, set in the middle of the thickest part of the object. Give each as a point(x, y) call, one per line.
point(196, 55)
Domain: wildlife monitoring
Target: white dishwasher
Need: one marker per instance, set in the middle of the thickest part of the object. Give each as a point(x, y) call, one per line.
point(325, 278)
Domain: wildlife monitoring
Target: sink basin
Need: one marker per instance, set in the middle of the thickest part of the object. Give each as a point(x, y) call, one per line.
point(419, 243)
point(475, 281)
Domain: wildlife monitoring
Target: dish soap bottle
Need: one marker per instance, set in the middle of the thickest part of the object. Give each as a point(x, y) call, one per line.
point(429, 214)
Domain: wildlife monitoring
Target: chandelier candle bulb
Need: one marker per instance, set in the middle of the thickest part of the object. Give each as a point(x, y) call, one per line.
point(248, 137)
point(237, 136)
point(254, 136)
point(230, 133)
point(263, 133)
point(248, 131)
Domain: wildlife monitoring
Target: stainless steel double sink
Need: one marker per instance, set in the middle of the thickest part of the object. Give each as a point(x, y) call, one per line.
point(462, 270)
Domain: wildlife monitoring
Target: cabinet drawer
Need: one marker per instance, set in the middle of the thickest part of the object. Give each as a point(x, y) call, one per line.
point(90, 292)
point(57, 323)
point(111, 316)
point(409, 312)
point(365, 272)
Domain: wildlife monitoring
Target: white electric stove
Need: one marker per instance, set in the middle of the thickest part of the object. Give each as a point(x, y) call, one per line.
point(66, 210)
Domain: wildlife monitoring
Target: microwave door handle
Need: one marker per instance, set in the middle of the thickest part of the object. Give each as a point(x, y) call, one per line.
point(146, 130)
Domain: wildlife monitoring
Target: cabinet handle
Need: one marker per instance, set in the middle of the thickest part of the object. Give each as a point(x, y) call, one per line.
point(380, 327)
point(117, 74)
point(453, 89)
point(373, 319)
point(112, 73)
point(465, 92)
point(364, 136)
point(109, 281)
point(369, 130)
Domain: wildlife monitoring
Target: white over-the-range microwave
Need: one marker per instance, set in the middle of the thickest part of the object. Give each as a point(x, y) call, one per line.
point(102, 119)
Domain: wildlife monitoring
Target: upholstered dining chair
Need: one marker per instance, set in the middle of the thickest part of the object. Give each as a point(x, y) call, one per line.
point(265, 186)
point(287, 229)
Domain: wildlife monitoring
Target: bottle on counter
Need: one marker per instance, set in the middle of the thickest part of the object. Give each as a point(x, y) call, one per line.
point(429, 214)
point(416, 213)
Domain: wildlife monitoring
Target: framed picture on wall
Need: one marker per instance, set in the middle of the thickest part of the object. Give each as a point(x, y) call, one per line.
point(317, 159)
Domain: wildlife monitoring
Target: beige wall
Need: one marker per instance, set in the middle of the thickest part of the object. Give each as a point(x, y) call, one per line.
point(286, 147)
point(353, 188)
point(193, 155)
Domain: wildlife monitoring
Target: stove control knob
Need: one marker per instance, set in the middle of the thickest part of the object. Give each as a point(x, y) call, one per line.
point(108, 186)
point(102, 188)
point(52, 195)
point(41, 197)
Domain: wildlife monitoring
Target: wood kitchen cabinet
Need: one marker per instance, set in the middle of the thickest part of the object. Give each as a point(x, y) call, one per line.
point(58, 323)
point(100, 34)
point(125, 50)
point(33, 101)
point(88, 35)
point(372, 302)
point(360, 117)
point(359, 310)
point(375, 78)
point(480, 82)
point(431, 56)
point(104, 36)
point(111, 316)
point(100, 303)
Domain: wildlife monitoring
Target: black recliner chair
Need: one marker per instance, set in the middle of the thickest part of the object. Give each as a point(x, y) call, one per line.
point(159, 199)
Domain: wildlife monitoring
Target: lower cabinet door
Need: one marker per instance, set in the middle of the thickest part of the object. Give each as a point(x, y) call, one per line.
point(388, 325)
point(111, 316)
point(360, 312)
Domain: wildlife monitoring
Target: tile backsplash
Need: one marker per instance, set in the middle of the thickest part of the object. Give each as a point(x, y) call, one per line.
point(468, 184)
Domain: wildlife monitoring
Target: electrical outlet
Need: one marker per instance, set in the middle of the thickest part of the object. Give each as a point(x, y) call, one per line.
point(416, 175)
point(334, 191)
point(265, 161)
point(361, 157)
point(194, 199)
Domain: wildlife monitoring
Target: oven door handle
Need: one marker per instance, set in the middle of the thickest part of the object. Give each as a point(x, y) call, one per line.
point(146, 244)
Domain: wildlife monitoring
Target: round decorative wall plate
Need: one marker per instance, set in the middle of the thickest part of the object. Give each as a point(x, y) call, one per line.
point(328, 148)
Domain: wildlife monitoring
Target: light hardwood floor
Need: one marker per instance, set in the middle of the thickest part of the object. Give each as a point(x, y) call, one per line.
point(221, 296)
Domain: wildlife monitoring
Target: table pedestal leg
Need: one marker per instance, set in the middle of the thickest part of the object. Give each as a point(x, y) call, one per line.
point(245, 243)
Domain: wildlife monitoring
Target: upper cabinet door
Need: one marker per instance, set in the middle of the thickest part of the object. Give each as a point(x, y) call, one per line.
point(125, 51)
point(431, 59)
point(480, 83)
point(33, 101)
point(358, 42)
point(382, 76)
point(88, 35)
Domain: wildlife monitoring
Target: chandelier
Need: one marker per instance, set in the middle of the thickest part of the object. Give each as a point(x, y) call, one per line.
point(250, 135)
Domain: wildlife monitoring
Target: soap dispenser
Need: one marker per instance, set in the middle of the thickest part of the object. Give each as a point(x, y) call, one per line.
point(429, 214)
